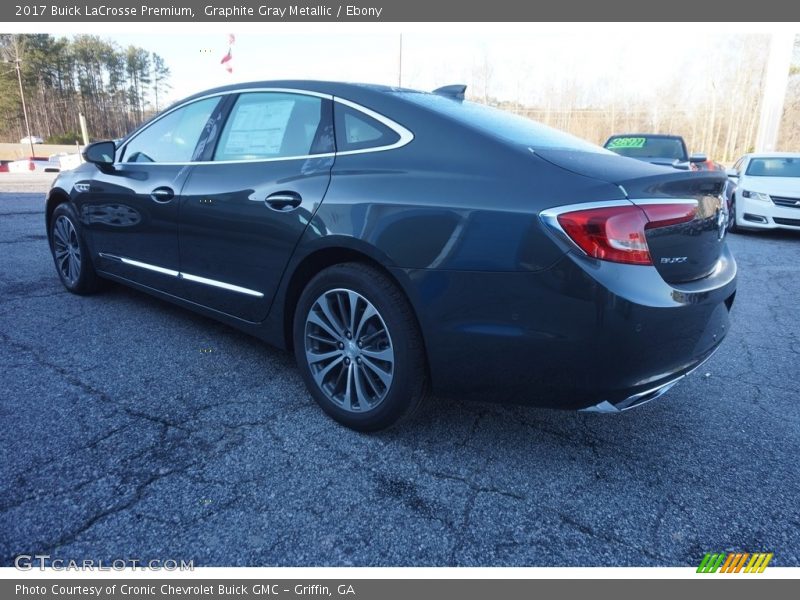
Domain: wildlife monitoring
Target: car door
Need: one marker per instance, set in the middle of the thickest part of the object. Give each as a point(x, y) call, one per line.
point(131, 210)
point(245, 207)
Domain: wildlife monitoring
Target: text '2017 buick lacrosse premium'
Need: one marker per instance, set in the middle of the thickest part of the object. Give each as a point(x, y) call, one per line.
point(402, 242)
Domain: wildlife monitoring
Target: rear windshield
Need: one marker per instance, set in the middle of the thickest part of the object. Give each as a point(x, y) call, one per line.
point(774, 167)
point(508, 126)
point(641, 146)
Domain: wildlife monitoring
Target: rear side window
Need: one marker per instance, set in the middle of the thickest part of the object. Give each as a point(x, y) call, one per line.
point(505, 125)
point(265, 125)
point(358, 131)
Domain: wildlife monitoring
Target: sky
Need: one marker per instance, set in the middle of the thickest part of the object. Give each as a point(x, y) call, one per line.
point(520, 65)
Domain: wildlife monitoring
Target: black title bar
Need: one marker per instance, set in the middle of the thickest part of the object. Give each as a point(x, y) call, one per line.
point(390, 589)
point(407, 10)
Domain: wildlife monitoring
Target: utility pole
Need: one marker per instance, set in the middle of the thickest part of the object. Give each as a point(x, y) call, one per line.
point(776, 79)
point(17, 61)
point(400, 63)
point(84, 129)
point(155, 78)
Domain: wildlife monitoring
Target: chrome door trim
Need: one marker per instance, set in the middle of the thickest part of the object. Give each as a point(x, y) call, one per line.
point(221, 284)
point(180, 275)
point(140, 264)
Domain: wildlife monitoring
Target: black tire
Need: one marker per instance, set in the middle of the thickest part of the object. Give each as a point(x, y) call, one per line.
point(84, 280)
point(408, 387)
point(733, 227)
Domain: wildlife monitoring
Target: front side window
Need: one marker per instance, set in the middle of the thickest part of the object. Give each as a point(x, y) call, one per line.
point(264, 125)
point(173, 137)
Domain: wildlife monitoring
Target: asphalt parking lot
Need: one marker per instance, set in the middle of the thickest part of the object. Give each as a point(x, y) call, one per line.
point(134, 429)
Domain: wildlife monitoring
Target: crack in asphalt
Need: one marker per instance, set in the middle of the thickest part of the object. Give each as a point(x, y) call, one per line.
point(467, 484)
point(50, 548)
point(12, 299)
point(607, 537)
point(22, 212)
point(29, 240)
point(166, 449)
point(481, 489)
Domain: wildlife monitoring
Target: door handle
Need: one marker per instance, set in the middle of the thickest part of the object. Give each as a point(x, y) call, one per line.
point(162, 194)
point(284, 201)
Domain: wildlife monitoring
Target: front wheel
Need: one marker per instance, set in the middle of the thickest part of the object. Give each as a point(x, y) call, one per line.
point(359, 348)
point(70, 253)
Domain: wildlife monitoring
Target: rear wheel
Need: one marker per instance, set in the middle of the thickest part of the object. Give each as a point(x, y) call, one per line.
point(359, 348)
point(70, 253)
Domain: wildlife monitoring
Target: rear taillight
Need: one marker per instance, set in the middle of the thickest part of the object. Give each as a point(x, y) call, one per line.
point(31, 166)
point(613, 233)
point(617, 233)
point(669, 213)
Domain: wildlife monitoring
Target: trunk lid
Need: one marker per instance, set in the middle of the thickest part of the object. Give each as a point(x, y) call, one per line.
point(685, 245)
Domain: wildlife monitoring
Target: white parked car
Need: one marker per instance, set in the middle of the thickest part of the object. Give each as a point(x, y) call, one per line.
point(34, 139)
point(34, 164)
point(767, 191)
point(67, 161)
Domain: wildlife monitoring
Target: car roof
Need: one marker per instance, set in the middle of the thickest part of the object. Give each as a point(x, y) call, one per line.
point(652, 135)
point(361, 93)
point(772, 155)
point(334, 88)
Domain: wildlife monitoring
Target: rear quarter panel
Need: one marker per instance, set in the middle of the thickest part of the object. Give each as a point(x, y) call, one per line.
point(451, 199)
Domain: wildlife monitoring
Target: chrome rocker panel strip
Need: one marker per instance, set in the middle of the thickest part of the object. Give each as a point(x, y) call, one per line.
point(180, 275)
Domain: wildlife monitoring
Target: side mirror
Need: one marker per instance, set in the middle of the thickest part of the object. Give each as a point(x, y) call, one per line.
point(100, 153)
point(698, 157)
point(732, 173)
point(680, 165)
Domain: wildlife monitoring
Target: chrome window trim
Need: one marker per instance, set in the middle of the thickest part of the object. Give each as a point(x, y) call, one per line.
point(651, 201)
point(228, 162)
point(124, 147)
point(181, 275)
point(406, 136)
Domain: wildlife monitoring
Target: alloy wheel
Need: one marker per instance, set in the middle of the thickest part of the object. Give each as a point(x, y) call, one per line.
point(349, 350)
point(67, 250)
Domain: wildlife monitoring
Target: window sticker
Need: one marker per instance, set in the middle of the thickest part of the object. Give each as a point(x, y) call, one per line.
point(258, 129)
point(627, 142)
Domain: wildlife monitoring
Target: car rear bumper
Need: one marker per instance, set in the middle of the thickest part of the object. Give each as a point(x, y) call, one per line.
point(647, 395)
point(579, 334)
